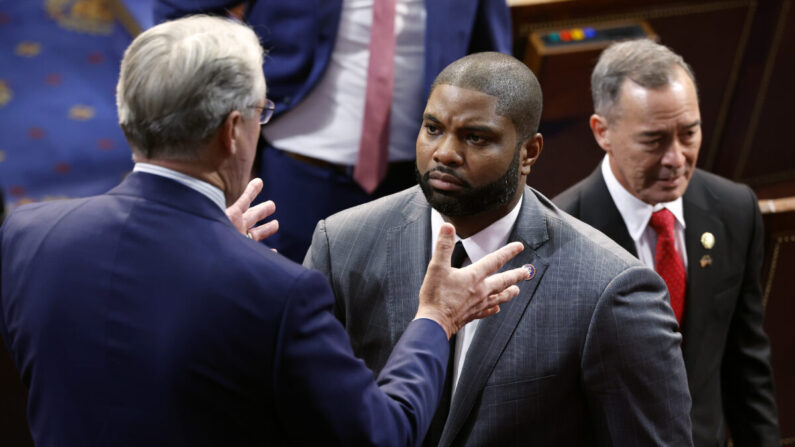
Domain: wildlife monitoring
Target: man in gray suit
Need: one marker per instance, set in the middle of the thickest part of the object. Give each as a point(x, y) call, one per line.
point(586, 354)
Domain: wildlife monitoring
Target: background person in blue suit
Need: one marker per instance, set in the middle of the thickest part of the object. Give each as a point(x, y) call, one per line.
point(143, 316)
point(318, 53)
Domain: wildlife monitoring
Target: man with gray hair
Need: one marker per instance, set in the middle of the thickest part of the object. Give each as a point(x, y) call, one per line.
point(700, 232)
point(587, 354)
point(144, 317)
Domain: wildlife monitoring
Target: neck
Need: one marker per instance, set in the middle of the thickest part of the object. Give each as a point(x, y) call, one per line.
point(466, 226)
point(194, 169)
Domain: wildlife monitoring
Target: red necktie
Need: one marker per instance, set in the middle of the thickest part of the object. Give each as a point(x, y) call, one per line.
point(373, 149)
point(667, 261)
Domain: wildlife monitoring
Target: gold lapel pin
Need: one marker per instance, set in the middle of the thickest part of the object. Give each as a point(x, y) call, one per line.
point(705, 261)
point(708, 240)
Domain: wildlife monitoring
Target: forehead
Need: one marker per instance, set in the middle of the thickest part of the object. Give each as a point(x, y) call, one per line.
point(460, 105)
point(673, 104)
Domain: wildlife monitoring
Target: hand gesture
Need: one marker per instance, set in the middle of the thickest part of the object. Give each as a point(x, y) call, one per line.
point(453, 297)
point(243, 216)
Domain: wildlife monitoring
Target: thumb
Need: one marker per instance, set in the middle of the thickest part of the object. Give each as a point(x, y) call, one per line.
point(445, 243)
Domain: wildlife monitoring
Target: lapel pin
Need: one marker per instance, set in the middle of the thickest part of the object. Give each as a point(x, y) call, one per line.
point(708, 240)
point(531, 270)
point(706, 261)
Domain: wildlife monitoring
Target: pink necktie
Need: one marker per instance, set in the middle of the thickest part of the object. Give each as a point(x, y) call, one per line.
point(667, 261)
point(373, 149)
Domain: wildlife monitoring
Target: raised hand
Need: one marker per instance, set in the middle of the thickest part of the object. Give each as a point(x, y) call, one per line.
point(453, 297)
point(243, 216)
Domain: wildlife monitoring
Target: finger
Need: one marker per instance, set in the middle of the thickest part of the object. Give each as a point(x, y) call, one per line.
point(444, 245)
point(503, 280)
point(249, 194)
point(495, 260)
point(487, 312)
point(265, 230)
point(504, 296)
point(258, 213)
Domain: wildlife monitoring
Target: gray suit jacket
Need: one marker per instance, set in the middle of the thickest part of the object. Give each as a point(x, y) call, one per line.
point(586, 354)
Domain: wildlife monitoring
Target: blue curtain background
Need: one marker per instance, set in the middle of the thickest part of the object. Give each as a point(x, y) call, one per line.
point(59, 63)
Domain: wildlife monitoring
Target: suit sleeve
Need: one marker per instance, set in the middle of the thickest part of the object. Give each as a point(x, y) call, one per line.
point(492, 30)
point(746, 376)
point(327, 396)
point(632, 367)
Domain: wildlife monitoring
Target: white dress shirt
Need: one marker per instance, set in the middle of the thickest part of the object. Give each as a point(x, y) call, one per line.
point(211, 192)
point(477, 246)
point(637, 213)
point(327, 124)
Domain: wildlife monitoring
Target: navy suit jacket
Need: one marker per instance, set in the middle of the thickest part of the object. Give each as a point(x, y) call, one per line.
point(299, 36)
point(142, 317)
point(726, 351)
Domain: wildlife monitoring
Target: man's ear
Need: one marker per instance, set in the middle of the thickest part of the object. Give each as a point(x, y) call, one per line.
point(531, 150)
point(600, 131)
point(229, 132)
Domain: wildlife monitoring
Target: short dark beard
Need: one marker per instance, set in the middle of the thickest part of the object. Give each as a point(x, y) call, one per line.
point(471, 201)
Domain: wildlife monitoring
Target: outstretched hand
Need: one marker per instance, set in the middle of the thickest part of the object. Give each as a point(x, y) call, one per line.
point(244, 216)
point(453, 297)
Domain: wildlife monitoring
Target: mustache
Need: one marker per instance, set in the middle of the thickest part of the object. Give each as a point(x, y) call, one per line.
point(667, 174)
point(445, 170)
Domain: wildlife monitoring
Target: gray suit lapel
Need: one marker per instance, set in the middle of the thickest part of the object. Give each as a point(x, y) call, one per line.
point(494, 332)
point(408, 253)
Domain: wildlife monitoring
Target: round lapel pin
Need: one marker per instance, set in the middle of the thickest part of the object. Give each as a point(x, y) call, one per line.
point(531, 270)
point(708, 240)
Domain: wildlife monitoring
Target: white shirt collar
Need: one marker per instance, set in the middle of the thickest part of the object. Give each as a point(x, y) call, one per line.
point(635, 212)
point(484, 241)
point(211, 192)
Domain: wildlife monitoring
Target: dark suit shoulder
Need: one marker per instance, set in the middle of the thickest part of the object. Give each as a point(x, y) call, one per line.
point(729, 201)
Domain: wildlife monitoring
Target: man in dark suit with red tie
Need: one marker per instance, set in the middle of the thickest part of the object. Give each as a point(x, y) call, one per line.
point(701, 233)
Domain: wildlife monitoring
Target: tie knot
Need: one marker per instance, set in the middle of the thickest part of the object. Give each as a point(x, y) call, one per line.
point(662, 221)
point(459, 255)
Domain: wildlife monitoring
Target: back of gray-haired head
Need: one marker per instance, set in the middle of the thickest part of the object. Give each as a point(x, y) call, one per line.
point(179, 80)
point(646, 63)
point(506, 78)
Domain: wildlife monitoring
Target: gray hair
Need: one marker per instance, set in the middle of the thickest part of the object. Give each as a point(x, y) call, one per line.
point(506, 78)
point(646, 63)
point(180, 80)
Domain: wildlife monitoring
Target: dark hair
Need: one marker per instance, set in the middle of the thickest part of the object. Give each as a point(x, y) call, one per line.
point(506, 78)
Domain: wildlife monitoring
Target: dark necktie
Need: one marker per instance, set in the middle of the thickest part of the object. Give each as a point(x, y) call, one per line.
point(667, 261)
point(440, 417)
point(371, 163)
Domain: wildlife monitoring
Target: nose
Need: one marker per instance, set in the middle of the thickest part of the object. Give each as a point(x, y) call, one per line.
point(674, 156)
point(447, 152)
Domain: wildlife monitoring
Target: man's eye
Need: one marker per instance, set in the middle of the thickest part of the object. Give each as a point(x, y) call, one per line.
point(476, 139)
point(431, 129)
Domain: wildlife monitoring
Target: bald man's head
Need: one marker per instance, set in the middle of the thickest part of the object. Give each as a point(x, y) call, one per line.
point(506, 78)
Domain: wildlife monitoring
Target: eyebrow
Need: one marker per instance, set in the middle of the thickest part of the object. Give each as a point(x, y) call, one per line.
point(472, 128)
point(657, 133)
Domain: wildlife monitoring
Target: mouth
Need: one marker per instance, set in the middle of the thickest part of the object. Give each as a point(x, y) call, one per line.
point(444, 181)
point(672, 181)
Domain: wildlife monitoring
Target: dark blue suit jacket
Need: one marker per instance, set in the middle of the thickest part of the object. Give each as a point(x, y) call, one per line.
point(299, 36)
point(142, 317)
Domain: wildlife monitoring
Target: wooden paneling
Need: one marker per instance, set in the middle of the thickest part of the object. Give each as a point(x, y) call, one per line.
point(779, 284)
